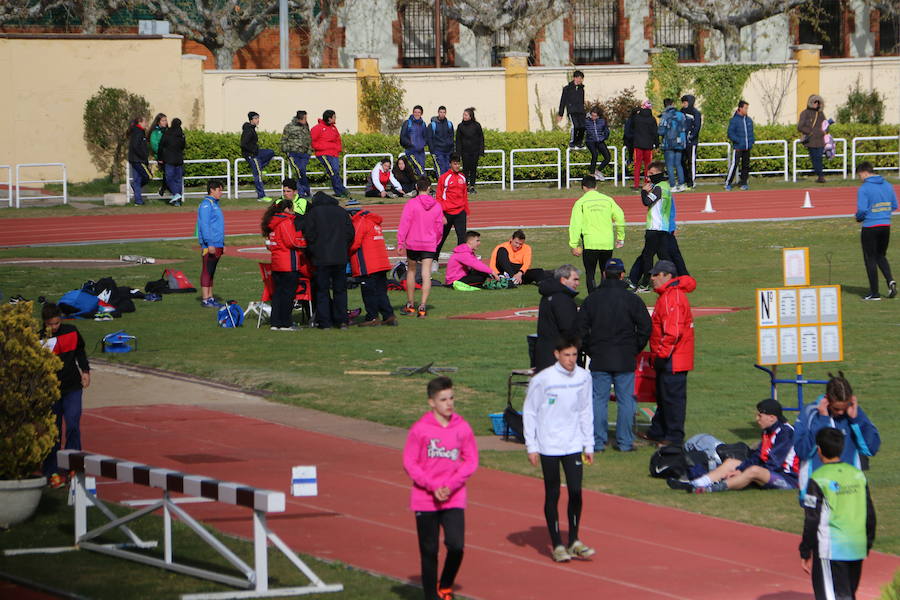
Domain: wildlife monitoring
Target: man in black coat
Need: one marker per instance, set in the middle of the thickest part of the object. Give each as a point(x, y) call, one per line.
point(329, 234)
point(694, 121)
point(614, 326)
point(572, 101)
point(556, 313)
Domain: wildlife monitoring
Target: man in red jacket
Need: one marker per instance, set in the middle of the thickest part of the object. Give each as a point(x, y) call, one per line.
point(369, 263)
point(326, 143)
point(672, 348)
point(453, 194)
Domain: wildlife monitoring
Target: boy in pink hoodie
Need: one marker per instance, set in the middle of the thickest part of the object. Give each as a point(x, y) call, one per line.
point(421, 224)
point(439, 456)
point(464, 264)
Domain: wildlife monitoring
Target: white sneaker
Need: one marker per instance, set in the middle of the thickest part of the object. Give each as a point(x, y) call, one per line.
point(579, 550)
point(560, 554)
point(598, 176)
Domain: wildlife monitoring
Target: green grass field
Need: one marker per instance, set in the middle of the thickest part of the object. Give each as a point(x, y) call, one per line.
point(306, 368)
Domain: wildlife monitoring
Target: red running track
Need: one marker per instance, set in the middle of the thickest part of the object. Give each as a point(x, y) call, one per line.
point(729, 206)
point(360, 516)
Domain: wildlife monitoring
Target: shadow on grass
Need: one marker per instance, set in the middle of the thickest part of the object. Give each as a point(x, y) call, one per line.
point(406, 591)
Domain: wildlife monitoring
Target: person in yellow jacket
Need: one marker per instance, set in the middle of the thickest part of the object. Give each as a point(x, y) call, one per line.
point(596, 227)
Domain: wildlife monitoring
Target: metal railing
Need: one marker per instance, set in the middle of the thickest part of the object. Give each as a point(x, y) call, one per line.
point(501, 168)
point(200, 161)
point(20, 181)
point(313, 160)
point(238, 176)
point(366, 171)
point(838, 142)
point(513, 166)
point(855, 152)
point(783, 157)
point(614, 162)
point(9, 184)
point(726, 159)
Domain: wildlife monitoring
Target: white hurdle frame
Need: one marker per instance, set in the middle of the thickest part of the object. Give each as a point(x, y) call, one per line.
point(9, 184)
point(877, 138)
point(513, 166)
point(843, 155)
point(783, 157)
point(614, 163)
point(263, 175)
point(255, 581)
point(20, 181)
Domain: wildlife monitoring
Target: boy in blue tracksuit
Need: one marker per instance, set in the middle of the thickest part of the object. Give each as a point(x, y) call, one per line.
point(414, 136)
point(740, 133)
point(838, 408)
point(440, 140)
point(211, 236)
point(875, 201)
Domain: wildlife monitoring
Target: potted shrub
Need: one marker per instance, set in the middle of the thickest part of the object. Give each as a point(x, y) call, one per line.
point(27, 424)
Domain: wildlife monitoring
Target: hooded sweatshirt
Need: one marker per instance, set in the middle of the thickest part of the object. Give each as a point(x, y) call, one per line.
point(285, 243)
point(436, 456)
point(421, 224)
point(672, 334)
point(694, 120)
point(138, 151)
point(414, 134)
point(249, 140)
point(326, 139)
point(810, 122)
point(875, 201)
point(368, 254)
point(461, 262)
point(557, 315)
point(441, 135)
point(558, 414)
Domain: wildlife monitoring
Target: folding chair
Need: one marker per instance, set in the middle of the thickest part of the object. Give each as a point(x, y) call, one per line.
point(302, 298)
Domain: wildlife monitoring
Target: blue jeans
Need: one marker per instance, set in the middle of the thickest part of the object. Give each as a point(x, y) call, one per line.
point(623, 381)
point(68, 407)
point(257, 164)
point(417, 160)
point(673, 166)
point(175, 178)
point(442, 161)
point(299, 160)
point(333, 169)
point(140, 175)
point(816, 155)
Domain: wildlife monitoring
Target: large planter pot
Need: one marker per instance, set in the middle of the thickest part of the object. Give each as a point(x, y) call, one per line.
point(19, 499)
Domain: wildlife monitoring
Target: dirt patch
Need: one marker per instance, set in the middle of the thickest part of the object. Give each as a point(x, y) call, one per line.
point(78, 263)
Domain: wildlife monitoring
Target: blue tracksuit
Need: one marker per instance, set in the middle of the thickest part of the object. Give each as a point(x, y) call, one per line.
point(414, 136)
point(210, 224)
point(875, 201)
point(440, 142)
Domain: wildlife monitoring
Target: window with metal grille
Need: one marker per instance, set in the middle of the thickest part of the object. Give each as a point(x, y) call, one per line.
point(500, 44)
point(594, 31)
point(417, 26)
point(889, 35)
point(820, 23)
point(671, 31)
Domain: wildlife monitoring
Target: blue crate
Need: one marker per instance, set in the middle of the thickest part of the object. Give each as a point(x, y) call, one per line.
point(497, 423)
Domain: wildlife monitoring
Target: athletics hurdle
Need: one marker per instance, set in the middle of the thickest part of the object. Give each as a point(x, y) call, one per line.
point(256, 578)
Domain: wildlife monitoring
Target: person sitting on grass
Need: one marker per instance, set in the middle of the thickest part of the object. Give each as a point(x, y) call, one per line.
point(382, 183)
point(773, 465)
point(404, 174)
point(512, 259)
point(464, 266)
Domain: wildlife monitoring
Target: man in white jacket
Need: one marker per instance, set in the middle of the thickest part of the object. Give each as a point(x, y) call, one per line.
point(559, 426)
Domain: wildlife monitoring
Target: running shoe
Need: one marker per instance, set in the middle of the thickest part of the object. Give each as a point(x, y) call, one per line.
point(175, 200)
point(643, 289)
point(745, 187)
point(892, 286)
point(391, 321)
point(598, 176)
point(409, 309)
point(727, 187)
point(872, 297)
point(421, 312)
point(56, 481)
point(211, 303)
point(679, 484)
point(560, 554)
point(265, 199)
point(445, 594)
point(579, 550)
point(138, 202)
point(353, 313)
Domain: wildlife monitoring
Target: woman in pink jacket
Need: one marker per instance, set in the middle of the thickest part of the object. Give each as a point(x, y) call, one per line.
point(421, 226)
point(439, 456)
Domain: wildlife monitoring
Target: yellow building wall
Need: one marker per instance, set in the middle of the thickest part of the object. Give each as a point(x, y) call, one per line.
point(46, 82)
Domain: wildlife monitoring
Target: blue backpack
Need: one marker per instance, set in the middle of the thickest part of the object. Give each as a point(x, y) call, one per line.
point(672, 130)
point(79, 303)
point(231, 315)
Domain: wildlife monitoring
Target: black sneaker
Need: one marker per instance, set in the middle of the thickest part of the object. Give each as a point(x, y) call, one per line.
point(872, 297)
point(892, 286)
point(679, 484)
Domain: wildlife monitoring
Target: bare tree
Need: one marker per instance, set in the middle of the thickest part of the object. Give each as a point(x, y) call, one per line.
point(519, 19)
point(222, 26)
point(316, 16)
point(774, 85)
point(89, 13)
point(728, 17)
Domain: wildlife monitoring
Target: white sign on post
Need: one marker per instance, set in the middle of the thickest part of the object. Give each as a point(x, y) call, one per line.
point(798, 325)
point(796, 266)
point(304, 481)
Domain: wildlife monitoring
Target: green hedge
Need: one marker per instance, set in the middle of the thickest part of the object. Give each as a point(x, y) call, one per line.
point(203, 145)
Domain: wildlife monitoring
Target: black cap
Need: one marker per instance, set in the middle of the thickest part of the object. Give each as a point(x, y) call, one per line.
point(770, 406)
point(664, 266)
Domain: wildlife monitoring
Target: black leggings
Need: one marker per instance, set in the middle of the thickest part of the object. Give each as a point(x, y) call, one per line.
point(428, 526)
point(457, 222)
point(592, 259)
point(598, 147)
point(572, 466)
point(875, 241)
point(470, 167)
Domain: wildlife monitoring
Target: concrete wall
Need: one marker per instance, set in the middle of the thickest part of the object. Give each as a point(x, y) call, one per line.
point(46, 82)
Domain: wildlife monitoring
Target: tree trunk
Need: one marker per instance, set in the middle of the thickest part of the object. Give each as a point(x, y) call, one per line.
point(315, 49)
point(732, 39)
point(90, 17)
point(483, 44)
point(224, 57)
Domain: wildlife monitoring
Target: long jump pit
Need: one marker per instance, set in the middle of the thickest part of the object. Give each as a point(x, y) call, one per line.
point(531, 313)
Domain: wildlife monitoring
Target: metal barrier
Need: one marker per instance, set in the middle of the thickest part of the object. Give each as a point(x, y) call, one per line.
point(895, 138)
point(782, 157)
point(624, 164)
point(843, 155)
point(20, 181)
point(501, 167)
point(614, 161)
point(513, 166)
point(9, 185)
point(726, 159)
point(263, 175)
point(366, 171)
point(310, 174)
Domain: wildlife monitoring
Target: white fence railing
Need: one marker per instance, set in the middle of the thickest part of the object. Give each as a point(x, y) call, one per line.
point(513, 166)
point(224, 177)
point(238, 176)
point(839, 143)
point(726, 158)
point(9, 184)
point(783, 157)
point(501, 169)
point(613, 162)
point(310, 173)
point(856, 153)
point(19, 181)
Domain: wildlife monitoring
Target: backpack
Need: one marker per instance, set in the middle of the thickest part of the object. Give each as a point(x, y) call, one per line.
point(231, 315)
point(515, 424)
point(178, 281)
point(669, 461)
point(672, 130)
point(78, 303)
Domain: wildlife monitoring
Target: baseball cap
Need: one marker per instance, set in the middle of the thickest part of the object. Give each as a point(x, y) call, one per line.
point(770, 406)
point(663, 266)
point(614, 264)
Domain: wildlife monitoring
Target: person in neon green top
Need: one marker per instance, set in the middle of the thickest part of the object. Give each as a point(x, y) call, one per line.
point(591, 235)
point(289, 192)
point(839, 526)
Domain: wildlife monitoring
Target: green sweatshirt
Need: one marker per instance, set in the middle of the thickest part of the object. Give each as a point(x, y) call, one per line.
point(593, 218)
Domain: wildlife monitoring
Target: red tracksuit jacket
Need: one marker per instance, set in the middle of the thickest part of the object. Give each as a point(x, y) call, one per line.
point(453, 193)
point(672, 335)
point(368, 254)
point(286, 245)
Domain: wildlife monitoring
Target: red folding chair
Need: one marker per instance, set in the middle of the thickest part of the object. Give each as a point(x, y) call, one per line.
point(302, 298)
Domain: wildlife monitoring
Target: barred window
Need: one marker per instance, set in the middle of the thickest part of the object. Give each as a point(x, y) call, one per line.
point(671, 31)
point(820, 23)
point(417, 27)
point(888, 35)
point(500, 45)
point(594, 31)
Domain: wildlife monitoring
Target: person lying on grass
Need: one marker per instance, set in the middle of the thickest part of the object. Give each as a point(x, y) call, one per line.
point(772, 465)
